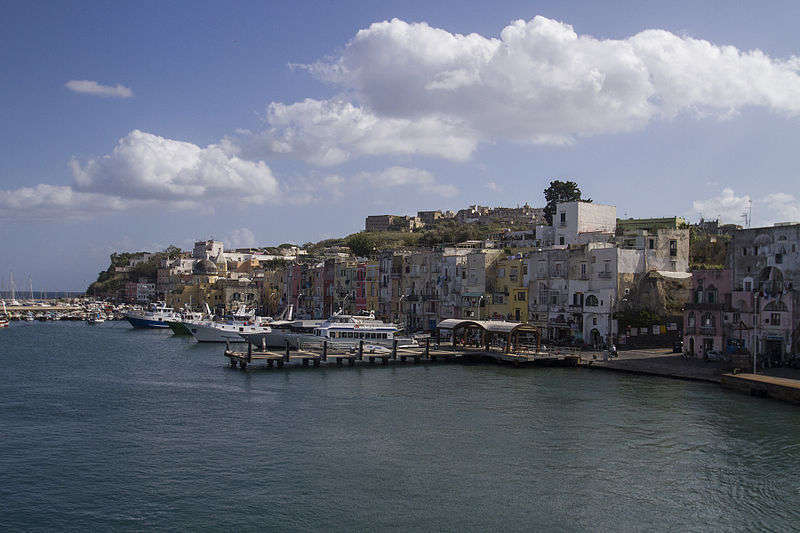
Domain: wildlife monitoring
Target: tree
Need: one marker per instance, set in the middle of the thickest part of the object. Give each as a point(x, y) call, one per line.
point(360, 244)
point(172, 251)
point(558, 192)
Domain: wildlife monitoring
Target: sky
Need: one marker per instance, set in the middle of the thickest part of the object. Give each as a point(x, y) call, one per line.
point(135, 126)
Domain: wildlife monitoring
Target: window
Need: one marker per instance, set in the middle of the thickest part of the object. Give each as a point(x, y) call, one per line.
point(651, 243)
point(748, 285)
point(563, 219)
point(594, 320)
point(561, 240)
point(744, 250)
point(521, 296)
point(778, 259)
point(673, 248)
point(583, 269)
point(690, 320)
point(591, 301)
point(775, 319)
point(707, 321)
point(712, 296)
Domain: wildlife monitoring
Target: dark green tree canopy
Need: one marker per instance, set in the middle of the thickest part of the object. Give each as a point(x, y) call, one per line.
point(360, 244)
point(560, 191)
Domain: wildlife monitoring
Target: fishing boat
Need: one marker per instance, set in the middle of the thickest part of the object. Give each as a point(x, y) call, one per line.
point(187, 318)
point(229, 329)
point(156, 316)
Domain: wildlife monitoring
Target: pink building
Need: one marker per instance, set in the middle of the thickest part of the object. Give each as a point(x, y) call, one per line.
point(708, 317)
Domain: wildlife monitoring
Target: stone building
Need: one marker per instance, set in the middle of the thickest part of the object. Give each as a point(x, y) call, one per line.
point(765, 264)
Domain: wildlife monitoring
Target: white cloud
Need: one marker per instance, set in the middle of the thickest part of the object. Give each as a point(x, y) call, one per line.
point(493, 186)
point(97, 89)
point(781, 206)
point(423, 90)
point(240, 238)
point(727, 207)
point(145, 169)
point(331, 132)
point(55, 202)
point(148, 167)
point(409, 178)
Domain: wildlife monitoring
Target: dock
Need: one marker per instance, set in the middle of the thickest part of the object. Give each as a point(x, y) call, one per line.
point(327, 353)
point(784, 389)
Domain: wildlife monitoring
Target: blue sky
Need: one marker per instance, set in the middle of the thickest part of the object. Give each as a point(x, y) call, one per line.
point(260, 124)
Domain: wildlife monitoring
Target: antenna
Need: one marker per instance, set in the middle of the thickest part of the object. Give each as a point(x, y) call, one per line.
point(747, 215)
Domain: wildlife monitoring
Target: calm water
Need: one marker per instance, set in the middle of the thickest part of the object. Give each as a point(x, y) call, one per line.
point(105, 427)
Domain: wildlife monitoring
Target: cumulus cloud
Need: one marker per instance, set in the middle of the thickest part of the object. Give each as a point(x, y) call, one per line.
point(145, 169)
point(241, 238)
point(148, 167)
point(422, 90)
point(784, 207)
point(55, 202)
point(408, 178)
point(726, 206)
point(97, 89)
point(331, 132)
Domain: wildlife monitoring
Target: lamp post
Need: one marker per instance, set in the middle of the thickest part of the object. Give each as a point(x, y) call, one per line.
point(400, 310)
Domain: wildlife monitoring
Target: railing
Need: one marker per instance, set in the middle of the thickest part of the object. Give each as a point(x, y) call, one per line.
point(604, 275)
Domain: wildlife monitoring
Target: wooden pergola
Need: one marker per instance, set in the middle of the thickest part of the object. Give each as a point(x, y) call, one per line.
point(486, 333)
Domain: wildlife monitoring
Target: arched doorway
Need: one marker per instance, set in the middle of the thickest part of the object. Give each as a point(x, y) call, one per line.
point(596, 338)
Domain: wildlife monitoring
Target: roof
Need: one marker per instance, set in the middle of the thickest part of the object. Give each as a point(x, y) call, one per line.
point(494, 326)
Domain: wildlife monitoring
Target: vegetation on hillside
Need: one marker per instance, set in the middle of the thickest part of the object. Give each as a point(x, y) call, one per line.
point(707, 250)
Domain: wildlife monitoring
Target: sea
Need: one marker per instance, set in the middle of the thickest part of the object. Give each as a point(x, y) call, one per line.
point(109, 428)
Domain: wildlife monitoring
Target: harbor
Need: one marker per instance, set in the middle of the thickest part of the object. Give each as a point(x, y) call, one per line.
point(120, 413)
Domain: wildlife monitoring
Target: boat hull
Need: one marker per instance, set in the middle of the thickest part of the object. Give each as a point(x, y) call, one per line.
point(207, 333)
point(179, 328)
point(144, 323)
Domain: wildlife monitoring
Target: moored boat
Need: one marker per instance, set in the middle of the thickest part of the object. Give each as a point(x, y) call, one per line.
point(157, 316)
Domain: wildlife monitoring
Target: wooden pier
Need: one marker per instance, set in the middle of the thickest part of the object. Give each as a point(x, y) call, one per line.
point(333, 354)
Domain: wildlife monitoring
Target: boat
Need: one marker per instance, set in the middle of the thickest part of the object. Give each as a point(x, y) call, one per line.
point(157, 316)
point(339, 329)
point(187, 318)
point(28, 317)
point(4, 321)
point(229, 329)
point(96, 318)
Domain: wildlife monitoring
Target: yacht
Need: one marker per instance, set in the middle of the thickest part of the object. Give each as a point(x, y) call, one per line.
point(28, 317)
point(229, 329)
point(155, 317)
point(339, 329)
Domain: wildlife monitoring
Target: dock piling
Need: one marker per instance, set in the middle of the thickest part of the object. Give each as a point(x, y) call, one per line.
point(360, 350)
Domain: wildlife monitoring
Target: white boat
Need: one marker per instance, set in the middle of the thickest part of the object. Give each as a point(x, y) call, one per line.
point(157, 316)
point(28, 317)
point(340, 329)
point(4, 317)
point(228, 329)
point(96, 318)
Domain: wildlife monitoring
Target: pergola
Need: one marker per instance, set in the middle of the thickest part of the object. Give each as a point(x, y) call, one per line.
point(485, 333)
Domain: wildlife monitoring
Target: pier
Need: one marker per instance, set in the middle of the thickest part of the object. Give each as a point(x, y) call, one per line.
point(787, 390)
point(328, 353)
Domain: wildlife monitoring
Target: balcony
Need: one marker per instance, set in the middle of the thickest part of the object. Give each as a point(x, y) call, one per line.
point(604, 275)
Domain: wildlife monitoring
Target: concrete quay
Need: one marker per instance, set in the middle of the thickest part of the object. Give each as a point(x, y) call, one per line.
point(787, 390)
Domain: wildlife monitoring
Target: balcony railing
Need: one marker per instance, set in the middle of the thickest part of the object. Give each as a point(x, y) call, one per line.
point(605, 275)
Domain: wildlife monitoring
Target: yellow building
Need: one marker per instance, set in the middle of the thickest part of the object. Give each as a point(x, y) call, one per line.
point(194, 296)
point(506, 296)
point(372, 285)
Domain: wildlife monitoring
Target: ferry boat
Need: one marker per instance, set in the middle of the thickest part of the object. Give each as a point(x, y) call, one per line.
point(156, 316)
point(339, 329)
